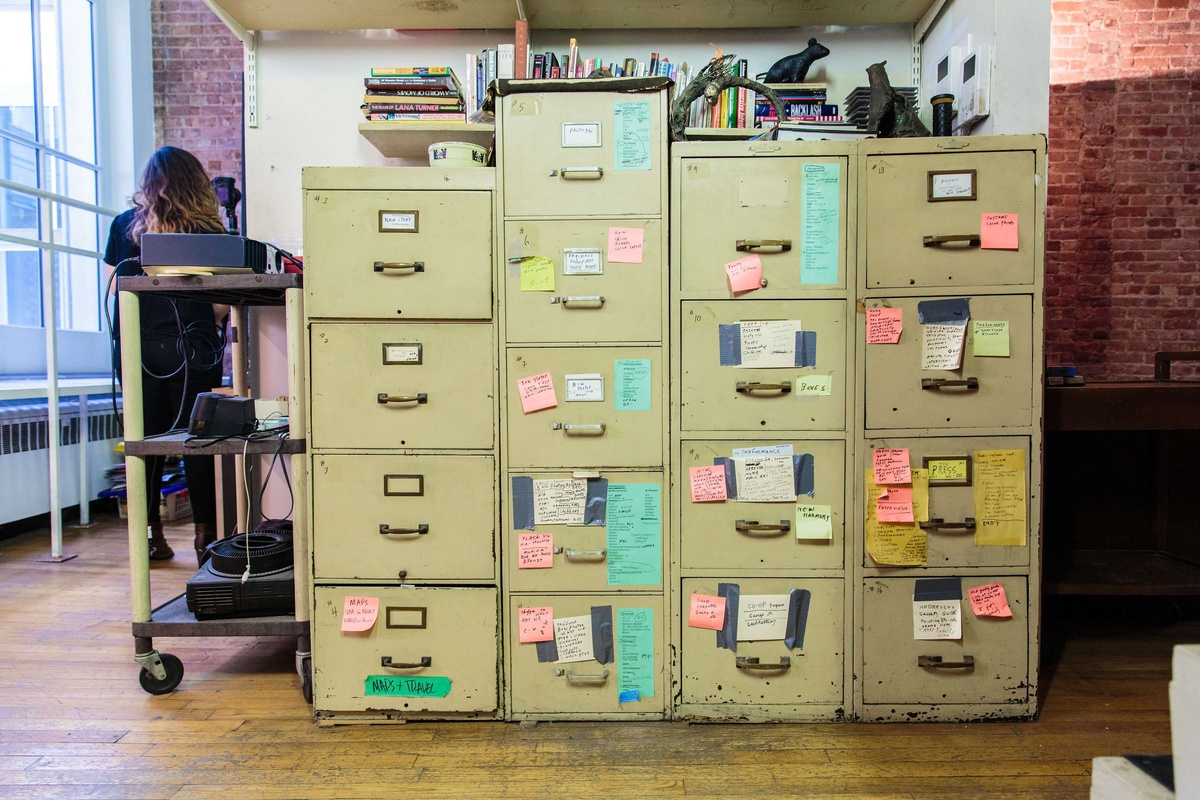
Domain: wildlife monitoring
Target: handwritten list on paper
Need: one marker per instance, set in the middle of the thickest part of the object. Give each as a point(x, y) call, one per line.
point(892, 465)
point(708, 483)
point(745, 274)
point(990, 338)
point(937, 619)
point(769, 343)
point(559, 501)
point(1000, 497)
point(765, 479)
point(635, 651)
point(631, 379)
point(535, 550)
point(707, 611)
point(942, 345)
point(535, 624)
point(900, 544)
point(814, 522)
point(359, 613)
point(884, 325)
point(998, 232)
point(632, 143)
point(537, 274)
point(625, 245)
point(536, 392)
point(573, 638)
point(634, 534)
point(989, 600)
point(820, 223)
point(762, 617)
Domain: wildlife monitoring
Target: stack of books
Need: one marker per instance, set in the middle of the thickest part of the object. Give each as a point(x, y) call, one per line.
point(804, 102)
point(413, 94)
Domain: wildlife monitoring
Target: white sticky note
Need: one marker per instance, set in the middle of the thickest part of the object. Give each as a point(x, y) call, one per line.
point(573, 638)
point(559, 501)
point(937, 619)
point(762, 617)
point(942, 345)
point(769, 343)
point(585, 388)
point(765, 479)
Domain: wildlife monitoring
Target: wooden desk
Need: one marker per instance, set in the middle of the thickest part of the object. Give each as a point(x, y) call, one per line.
point(1118, 489)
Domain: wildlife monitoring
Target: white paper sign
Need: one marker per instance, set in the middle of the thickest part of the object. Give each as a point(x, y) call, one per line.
point(942, 345)
point(573, 638)
point(958, 184)
point(762, 617)
point(581, 134)
point(559, 501)
point(585, 388)
point(769, 344)
point(763, 450)
point(581, 261)
point(398, 221)
point(937, 619)
point(403, 354)
point(765, 479)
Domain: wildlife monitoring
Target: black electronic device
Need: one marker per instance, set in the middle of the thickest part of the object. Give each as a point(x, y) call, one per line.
point(237, 583)
point(217, 415)
point(229, 197)
point(202, 254)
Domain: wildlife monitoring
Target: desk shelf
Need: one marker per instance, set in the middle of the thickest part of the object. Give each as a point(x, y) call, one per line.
point(174, 444)
point(411, 140)
point(172, 618)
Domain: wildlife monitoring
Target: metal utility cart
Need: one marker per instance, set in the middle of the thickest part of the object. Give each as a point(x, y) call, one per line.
point(162, 672)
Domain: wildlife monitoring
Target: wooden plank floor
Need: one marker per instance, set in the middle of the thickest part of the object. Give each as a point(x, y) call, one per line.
point(74, 722)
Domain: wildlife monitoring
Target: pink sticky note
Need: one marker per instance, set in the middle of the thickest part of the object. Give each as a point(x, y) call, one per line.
point(891, 466)
point(537, 392)
point(744, 274)
point(625, 245)
point(989, 601)
point(884, 325)
point(708, 483)
point(707, 612)
point(535, 550)
point(998, 232)
point(359, 613)
point(895, 504)
point(536, 624)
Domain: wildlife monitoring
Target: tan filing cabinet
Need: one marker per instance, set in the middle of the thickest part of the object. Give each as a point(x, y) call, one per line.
point(771, 367)
point(404, 471)
point(924, 207)
point(583, 170)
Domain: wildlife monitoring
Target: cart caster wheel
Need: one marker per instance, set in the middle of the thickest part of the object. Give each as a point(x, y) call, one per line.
point(153, 685)
point(306, 680)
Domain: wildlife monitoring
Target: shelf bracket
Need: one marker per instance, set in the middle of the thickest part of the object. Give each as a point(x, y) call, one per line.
point(249, 40)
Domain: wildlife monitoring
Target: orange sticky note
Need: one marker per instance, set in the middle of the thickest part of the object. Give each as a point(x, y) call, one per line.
point(744, 274)
point(998, 232)
point(891, 465)
point(537, 392)
point(535, 550)
point(707, 612)
point(989, 601)
point(884, 325)
point(536, 624)
point(359, 613)
point(708, 483)
point(625, 245)
point(895, 504)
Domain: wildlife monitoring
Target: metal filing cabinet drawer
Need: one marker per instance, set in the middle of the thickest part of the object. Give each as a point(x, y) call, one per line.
point(954, 546)
point(582, 565)
point(900, 216)
point(748, 203)
point(390, 517)
point(598, 435)
point(402, 386)
point(561, 156)
point(586, 688)
point(894, 380)
point(999, 648)
point(725, 535)
point(623, 303)
point(431, 636)
point(717, 397)
point(399, 255)
point(768, 673)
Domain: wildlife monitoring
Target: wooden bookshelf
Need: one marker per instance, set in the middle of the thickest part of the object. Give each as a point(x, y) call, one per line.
point(411, 140)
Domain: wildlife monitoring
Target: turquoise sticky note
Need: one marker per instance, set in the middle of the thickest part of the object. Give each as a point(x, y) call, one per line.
point(632, 145)
point(635, 651)
point(633, 527)
point(820, 222)
point(632, 379)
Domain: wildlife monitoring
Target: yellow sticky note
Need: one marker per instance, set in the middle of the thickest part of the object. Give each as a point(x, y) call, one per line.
point(1000, 498)
point(920, 490)
point(814, 522)
point(900, 544)
point(814, 385)
point(991, 337)
point(537, 274)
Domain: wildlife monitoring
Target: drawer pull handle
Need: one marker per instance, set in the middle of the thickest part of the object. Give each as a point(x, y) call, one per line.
point(967, 239)
point(935, 662)
point(750, 387)
point(937, 525)
point(751, 664)
point(592, 301)
point(576, 679)
point(415, 266)
point(753, 526)
point(420, 398)
point(578, 173)
point(750, 245)
point(591, 555)
point(596, 429)
point(937, 384)
point(386, 530)
point(386, 661)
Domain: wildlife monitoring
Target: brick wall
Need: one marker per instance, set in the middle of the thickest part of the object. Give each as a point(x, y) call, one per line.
point(1123, 238)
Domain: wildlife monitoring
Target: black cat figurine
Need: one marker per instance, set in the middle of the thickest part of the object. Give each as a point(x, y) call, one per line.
point(794, 68)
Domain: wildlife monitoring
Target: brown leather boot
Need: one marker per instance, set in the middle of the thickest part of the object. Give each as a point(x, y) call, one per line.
point(159, 549)
point(206, 534)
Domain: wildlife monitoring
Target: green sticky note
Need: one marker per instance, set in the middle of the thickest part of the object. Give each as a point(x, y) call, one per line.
point(814, 384)
point(537, 274)
point(991, 338)
point(814, 522)
point(820, 222)
point(633, 522)
point(399, 686)
point(635, 651)
point(632, 145)
point(632, 378)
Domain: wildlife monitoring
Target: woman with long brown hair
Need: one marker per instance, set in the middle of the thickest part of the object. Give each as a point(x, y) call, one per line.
point(182, 340)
